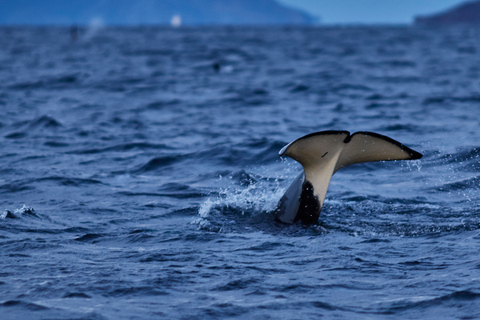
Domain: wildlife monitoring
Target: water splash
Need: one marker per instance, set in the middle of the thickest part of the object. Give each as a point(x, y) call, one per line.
point(176, 21)
point(96, 24)
point(239, 203)
point(23, 211)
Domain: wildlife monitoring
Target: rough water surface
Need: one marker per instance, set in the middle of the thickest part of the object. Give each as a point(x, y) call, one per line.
point(139, 169)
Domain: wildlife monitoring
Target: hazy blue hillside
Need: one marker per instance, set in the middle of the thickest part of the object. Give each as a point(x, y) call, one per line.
point(149, 12)
point(466, 13)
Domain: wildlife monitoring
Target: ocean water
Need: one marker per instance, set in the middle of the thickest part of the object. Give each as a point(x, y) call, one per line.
point(139, 171)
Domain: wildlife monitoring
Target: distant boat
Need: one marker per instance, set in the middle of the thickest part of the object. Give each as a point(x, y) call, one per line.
point(176, 21)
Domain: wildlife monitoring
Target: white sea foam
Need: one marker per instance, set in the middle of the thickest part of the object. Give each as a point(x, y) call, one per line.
point(253, 198)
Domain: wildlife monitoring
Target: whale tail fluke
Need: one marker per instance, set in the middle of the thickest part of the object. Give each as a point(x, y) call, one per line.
point(362, 146)
point(323, 153)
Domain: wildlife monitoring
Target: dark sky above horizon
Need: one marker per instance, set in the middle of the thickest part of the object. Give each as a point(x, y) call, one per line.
point(370, 11)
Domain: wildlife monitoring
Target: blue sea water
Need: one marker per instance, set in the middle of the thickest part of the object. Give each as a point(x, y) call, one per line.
point(139, 170)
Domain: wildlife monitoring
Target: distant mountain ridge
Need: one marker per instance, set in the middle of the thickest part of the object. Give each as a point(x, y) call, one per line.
point(139, 12)
point(467, 13)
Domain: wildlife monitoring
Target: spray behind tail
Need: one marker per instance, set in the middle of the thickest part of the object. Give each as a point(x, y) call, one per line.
point(322, 154)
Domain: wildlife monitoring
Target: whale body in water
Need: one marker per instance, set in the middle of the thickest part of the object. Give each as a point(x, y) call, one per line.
point(322, 154)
